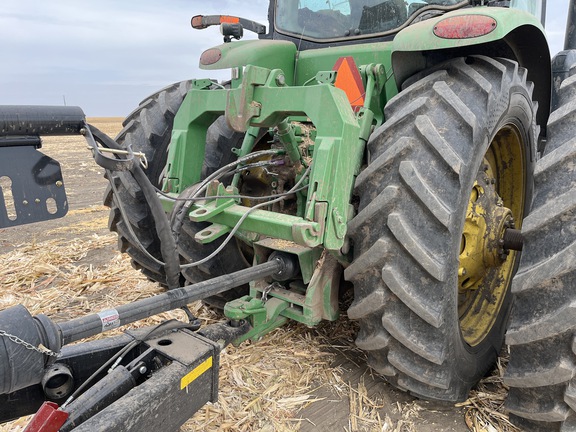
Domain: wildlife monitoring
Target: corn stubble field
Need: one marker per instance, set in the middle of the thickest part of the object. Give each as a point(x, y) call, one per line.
point(296, 378)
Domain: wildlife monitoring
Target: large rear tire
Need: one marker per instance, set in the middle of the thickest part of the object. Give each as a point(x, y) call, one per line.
point(448, 172)
point(542, 331)
point(148, 129)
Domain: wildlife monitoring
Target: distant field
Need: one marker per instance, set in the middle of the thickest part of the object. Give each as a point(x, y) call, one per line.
point(110, 125)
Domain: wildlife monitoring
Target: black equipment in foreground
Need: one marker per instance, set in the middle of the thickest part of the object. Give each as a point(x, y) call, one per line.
point(174, 368)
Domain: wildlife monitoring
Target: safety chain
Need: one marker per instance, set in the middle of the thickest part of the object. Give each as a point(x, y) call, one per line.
point(40, 348)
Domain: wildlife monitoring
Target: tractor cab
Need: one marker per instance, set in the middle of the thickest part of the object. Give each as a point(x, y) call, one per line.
point(321, 21)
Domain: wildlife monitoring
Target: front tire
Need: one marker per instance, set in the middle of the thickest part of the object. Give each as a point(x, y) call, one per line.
point(448, 173)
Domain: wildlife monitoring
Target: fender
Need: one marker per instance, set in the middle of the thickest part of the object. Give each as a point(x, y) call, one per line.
point(270, 54)
point(517, 35)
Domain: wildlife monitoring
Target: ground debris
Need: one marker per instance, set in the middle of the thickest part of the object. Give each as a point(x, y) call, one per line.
point(485, 411)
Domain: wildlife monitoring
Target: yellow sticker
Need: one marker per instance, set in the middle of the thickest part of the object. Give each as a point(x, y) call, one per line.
point(195, 373)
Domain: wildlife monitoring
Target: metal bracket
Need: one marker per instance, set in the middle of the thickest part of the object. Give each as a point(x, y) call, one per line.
point(241, 110)
point(32, 188)
point(264, 316)
point(215, 205)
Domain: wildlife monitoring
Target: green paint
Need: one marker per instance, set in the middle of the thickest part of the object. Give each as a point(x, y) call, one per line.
point(264, 317)
point(420, 36)
point(268, 54)
point(272, 86)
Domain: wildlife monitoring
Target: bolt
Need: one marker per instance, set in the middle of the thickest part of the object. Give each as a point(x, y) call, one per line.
point(25, 202)
point(281, 80)
point(142, 370)
point(37, 200)
point(59, 183)
point(83, 131)
point(461, 271)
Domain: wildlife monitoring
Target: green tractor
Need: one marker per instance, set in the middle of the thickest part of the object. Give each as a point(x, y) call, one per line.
point(389, 145)
point(404, 150)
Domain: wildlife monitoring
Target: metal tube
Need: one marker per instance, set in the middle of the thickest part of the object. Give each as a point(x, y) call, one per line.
point(570, 38)
point(90, 325)
point(17, 120)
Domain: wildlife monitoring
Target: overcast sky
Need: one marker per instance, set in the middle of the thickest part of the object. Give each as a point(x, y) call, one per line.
point(108, 55)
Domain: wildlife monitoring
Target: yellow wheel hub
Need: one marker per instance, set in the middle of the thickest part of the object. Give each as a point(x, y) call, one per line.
point(496, 203)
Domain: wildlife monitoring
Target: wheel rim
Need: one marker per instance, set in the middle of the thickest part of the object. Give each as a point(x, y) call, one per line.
point(486, 265)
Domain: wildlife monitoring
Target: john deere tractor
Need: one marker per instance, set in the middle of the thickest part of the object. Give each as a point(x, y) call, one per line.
point(396, 147)
point(387, 144)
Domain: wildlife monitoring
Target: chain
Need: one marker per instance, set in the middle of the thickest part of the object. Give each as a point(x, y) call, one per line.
point(267, 290)
point(40, 348)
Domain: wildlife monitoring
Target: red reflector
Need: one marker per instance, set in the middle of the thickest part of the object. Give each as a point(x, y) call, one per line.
point(210, 56)
point(465, 26)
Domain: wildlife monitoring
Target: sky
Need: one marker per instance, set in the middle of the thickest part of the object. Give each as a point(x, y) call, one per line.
point(107, 55)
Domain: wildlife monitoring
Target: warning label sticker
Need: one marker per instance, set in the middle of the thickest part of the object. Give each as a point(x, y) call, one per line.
point(110, 319)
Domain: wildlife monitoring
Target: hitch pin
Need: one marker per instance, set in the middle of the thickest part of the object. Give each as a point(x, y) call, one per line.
point(267, 290)
point(265, 293)
point(142, 156)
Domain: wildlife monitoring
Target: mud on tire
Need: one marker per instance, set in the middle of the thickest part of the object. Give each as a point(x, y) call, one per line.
point(424, 164)
point(542, 330)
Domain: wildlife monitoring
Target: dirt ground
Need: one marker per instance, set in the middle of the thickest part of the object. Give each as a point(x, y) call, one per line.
point(294, 379)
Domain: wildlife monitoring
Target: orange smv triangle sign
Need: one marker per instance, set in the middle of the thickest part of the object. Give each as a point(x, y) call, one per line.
point(348, 79)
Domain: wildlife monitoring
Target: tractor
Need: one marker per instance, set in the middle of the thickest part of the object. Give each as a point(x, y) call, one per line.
point(418, 153)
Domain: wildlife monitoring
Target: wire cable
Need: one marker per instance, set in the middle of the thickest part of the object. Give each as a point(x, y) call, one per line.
point(178, 216)
point(242, 219)
point(214, 176)
point(248, 197)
